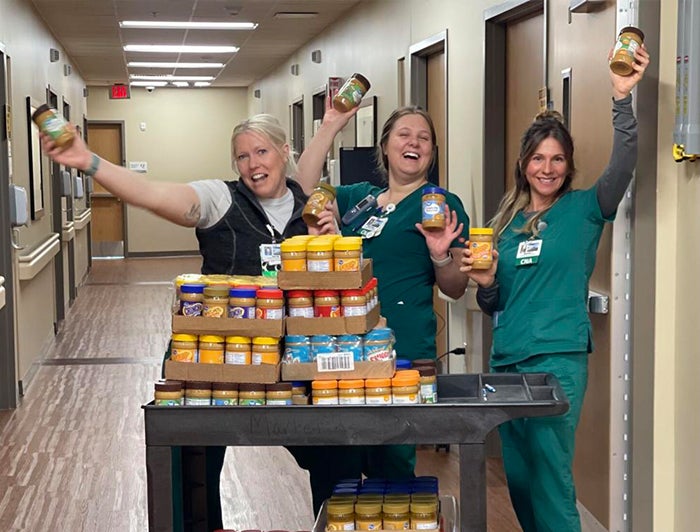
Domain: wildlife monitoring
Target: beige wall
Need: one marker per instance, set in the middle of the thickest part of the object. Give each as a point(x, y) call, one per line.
point(27, 43)
point(187, 137)
point(677, 397)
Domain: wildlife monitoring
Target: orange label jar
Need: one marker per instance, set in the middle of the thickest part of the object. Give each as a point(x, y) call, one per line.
point(215, 301)
point(622, 61)
point(184, 348)
point(211, 349)
point(269, 304)
point(168, 393)
point(322, 194)
point(266, 350)
point(405, 387)
point(319, 255)
point(326, 304)
point(351, 392)
point(324, 392)
point(378, 391)
point(300, 303)
point(237, 350)
point(351, 93)
point(481, 246)
point(433, 208)
point(347, 254)
point(52, 124)
point(293, 255)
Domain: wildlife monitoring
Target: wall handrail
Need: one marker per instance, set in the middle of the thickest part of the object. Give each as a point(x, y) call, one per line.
point(40, 249)
point(32, 263)
point(82, 219)
point(68, 232)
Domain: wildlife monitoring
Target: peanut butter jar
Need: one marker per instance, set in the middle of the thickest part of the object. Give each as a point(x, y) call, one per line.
point(629, 39)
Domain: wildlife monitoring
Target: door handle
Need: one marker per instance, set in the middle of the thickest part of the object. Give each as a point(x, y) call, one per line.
point(16, 245)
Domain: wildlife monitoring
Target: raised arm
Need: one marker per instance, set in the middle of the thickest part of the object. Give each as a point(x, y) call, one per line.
point(176, 202)
point(611, 186)
point(310, 164)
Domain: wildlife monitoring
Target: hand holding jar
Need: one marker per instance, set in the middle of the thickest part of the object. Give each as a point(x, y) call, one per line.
point(439, 240)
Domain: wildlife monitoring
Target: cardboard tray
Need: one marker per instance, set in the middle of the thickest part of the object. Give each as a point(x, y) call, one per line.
point(342, 325)
point(308, 371)
point(227, 326)
point(325, 280)
point(191, 371)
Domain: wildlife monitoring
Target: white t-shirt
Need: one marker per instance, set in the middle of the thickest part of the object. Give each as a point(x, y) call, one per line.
point(215, 201)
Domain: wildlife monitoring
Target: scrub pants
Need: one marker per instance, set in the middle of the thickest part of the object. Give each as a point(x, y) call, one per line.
point(538, 453)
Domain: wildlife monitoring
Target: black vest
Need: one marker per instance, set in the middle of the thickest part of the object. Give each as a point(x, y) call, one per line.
point(232, 245)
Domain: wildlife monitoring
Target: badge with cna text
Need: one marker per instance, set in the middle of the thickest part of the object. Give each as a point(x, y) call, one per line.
point(528, 252)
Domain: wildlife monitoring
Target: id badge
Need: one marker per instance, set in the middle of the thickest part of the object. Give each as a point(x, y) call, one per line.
point(528, 252)
point(373, 227)
point(270, 259)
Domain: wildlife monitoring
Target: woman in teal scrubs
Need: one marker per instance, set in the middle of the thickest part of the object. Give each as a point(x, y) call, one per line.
point(537, 290)
point(407, 260)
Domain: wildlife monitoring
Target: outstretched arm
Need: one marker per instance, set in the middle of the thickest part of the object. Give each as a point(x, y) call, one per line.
point(611, 186)
point(310, 164)
point(176, 202)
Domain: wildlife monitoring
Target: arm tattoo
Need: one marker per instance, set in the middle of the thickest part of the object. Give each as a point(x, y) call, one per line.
point(193, 214)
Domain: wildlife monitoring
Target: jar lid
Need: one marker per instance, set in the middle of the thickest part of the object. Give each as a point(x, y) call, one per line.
point(325, 293)
point(168, 386)
point(395, 507)
point(412, 373)
point(192, 288)
point(41, 109)
point(320, 244)
point(346, 384)
point(347, 338)
point(269, 293)
point(265, 340)
point(326, 187)
point(181, 337)
point(253, 287)
point(633, 29)
point(215, 279)
point(298, 384)
point(217, 290)
point(279, 387)
point(334, 507)
point(224, 386)
point(321, 338)
point(425, 478)
point(402, 363)
point(348, 243)
point(368, 507)
point(434, 190)
point(359, 77)
point(186, 278)
point(198, 385)
point(427, 371)
point(251, 387)
point(352, 293)
point(423, 362)
point(299, 293)
point(423, 507)
point(377, 383)
point(296, 339)
point(237, 340)
point(212, 338)
point(324, 385)
point(481, 230)
point(405, 381)
point(382, 333)
point(293, 245)
point(242, 292)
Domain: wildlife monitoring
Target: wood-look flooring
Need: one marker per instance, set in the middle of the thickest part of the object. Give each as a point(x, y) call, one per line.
point(72, 455)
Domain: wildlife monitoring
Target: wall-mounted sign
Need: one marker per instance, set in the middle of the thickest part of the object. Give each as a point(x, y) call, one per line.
point(119, 91)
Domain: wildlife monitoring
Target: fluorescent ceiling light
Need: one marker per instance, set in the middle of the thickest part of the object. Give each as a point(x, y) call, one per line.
point(296, 14)
point(188, 25)
point(170, 77)
point(146, 64)
point(180, 49)
point(148, 83)
point(180, 83)
point(201, 83)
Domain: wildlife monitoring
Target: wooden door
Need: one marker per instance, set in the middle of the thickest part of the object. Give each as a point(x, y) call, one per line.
point(107, 225)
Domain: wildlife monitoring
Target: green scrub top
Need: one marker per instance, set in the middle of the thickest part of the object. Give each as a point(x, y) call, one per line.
point(401, 263)
point(543, 307)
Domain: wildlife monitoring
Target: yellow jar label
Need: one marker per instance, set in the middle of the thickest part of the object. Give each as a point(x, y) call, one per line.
point(214, 311)
point(481, 250)
point(347, 264)
point(183, 355)
point(211, 356)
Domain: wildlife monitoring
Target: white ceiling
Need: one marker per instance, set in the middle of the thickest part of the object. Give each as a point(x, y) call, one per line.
point(89, 32)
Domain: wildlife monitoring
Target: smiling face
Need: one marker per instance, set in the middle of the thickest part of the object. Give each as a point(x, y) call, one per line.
point(409, 148)
point(261, 164)
point(545, 172)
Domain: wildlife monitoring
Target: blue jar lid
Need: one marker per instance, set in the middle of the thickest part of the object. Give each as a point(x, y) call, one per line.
point(192, 288)
point(321, 338)
point(374, 481)
point(355, 481)
point(382, 333)
point(402, 363)
point(298, 384)
point(296, 339)
point(433, 190)
point(425, 478)
point(241, 292)
point(367, 490)
point(345, 491)
point(348, 338)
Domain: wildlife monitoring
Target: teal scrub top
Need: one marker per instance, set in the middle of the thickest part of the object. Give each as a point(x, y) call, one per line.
point(543, 307)
point(401, 263)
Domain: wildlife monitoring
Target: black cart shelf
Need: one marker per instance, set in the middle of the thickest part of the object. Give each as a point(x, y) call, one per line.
point(463, 416)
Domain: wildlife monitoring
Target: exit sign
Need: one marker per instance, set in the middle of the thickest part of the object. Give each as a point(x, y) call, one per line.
point(119, 92)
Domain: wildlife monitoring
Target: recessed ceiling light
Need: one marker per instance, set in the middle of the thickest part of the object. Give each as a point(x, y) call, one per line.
point(180, 83)
point(201, 83)
point(148, 83)
point(188, 25)
point(180, 49)
point(172, 78)
point(296, 14)
point(146, 64)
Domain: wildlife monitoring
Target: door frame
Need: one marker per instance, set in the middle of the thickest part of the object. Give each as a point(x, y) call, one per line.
point(70, 200)
point(8, 377)
point(57, 225)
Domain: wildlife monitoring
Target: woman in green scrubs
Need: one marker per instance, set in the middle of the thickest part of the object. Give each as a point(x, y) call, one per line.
point(547, 236)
